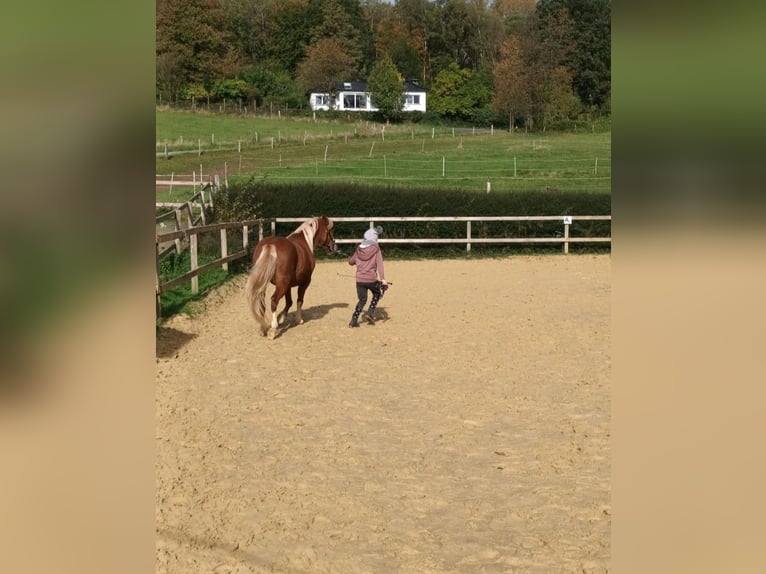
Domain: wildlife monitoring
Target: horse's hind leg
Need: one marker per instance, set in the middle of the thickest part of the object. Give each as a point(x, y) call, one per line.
point(279, 292)
point(288, 304)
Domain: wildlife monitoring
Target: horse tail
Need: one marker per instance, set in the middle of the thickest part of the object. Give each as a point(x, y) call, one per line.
point(260, 275)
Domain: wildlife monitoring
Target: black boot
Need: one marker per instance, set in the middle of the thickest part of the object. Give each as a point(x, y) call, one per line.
point(370, 314)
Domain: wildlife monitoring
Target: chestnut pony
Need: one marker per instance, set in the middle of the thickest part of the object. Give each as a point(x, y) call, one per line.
point(285, 262)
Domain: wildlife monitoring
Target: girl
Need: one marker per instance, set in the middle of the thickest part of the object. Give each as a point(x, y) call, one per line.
point(370, 275)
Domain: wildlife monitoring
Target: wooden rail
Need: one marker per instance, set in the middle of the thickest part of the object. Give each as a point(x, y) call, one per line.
point(194, 181)
point(566, 221)
point(183, 216)
point(190, 235)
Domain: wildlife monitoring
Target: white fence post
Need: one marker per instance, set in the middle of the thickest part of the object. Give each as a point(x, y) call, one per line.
point(194, 262)
point(468, 236)
point(224, 249)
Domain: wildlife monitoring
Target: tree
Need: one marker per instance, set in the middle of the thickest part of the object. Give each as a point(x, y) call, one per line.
point(386, 87)
point(342, 21)
point(547, 45)
point(268, 86)
point(560, 101)
point(229, 89)
point(513, 13)
point(588, 30)
point(170, 76)
point(511, 97)
point(458, 92)
point(420, 18)
point(288, 30)
point(326, 64)
point(192, 43)
point(392, 38)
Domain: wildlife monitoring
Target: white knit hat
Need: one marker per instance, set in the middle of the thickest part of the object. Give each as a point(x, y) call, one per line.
point(371, 235)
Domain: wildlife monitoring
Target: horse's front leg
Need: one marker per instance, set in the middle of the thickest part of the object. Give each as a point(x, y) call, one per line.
point(301, 292)
point(288, 304)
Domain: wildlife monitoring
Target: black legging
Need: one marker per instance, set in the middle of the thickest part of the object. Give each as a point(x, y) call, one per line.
point(361, 293)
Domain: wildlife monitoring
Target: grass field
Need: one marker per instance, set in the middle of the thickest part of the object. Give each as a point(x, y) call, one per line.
point(414, 156)
point(355, 151)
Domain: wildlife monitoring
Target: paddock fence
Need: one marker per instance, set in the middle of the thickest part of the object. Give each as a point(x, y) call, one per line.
point(184, 214)
point(190, 237)
point(180, 239)
point(469, 239)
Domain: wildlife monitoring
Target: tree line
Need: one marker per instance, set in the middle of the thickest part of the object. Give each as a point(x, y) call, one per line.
point(527, 62)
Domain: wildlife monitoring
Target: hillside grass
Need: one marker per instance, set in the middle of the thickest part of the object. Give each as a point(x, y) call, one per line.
point(346, 162)
point(293, 150)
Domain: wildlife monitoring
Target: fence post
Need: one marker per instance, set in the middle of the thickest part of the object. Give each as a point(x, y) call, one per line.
point(157, 276)
point(194, 264)
point(244, 237)
point(224, 249)
point(202, 205)
point(177, 213)
point(189, 214)
point(468, 236)
point(567, 222)
point(273, 227)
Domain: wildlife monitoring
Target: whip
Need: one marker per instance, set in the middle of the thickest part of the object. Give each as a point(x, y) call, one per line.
point(354, 277)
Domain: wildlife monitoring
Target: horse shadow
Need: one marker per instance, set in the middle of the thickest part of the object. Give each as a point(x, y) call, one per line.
point(310, 314)
point(169, 341)
point(314, 313)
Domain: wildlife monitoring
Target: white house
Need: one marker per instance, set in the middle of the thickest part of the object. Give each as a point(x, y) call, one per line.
point(353, 96)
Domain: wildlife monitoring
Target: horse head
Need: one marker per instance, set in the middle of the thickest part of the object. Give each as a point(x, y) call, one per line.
point(323, 235)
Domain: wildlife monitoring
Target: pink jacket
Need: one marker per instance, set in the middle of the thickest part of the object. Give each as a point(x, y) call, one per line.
point(368, 260)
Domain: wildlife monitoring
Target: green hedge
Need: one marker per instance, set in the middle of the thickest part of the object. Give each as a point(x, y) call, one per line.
point(347, 200)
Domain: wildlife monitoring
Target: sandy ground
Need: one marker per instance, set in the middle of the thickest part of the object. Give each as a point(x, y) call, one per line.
point(467, 431)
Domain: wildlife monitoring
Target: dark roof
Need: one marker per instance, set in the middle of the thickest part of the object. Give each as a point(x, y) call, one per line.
point(413, 86)
point(409, 86)
point(350, 86)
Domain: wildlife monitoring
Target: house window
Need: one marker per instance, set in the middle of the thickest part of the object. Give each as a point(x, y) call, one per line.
point(355, 101)
point(413, 99)
point(322, 100)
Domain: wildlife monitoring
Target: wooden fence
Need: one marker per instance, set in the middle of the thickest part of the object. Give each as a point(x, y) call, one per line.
point(564, 239)
point(166, 242)
point(192, 180)
point(190, 236)
point(185, 215)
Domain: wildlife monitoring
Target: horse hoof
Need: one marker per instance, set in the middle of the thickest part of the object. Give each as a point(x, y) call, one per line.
point(272, 334)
